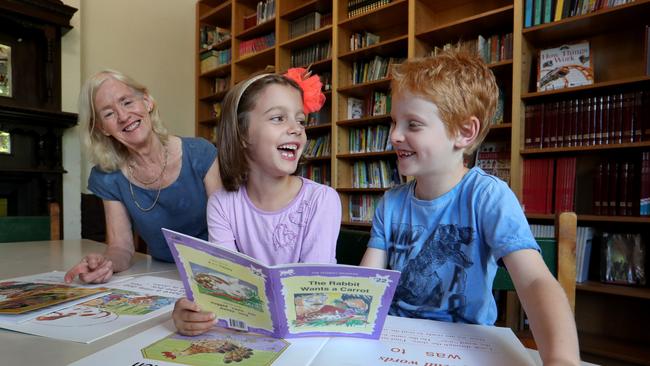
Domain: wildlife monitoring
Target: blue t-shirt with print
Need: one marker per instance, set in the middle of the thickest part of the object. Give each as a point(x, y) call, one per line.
point(447, 248)
point(181, 206)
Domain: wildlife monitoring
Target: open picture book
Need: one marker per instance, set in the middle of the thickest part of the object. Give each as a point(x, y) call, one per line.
point(283, 301)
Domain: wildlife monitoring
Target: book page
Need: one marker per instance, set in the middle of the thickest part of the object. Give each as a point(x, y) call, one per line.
point(233, 286)
point(335, 299)
point(427, 342)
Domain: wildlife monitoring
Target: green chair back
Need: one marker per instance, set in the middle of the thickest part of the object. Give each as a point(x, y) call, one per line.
point(351, 245)
point(502, 280)
point(24, 228)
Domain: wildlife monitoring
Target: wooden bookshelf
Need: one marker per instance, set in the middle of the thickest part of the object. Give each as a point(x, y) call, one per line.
point(413, 28)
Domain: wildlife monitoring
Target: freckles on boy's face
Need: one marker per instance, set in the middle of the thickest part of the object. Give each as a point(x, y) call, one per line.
point(419, 136)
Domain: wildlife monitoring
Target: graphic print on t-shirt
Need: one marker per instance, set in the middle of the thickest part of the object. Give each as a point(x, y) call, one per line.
point(286, 234)
point(433, 278)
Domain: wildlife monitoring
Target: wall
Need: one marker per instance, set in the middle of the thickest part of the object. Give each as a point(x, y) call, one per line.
point(150, 40)
point(70, 82)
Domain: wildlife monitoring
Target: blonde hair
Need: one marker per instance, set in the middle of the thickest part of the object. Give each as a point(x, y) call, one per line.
point(232, 130)
point(459, 83)
point(105, 151)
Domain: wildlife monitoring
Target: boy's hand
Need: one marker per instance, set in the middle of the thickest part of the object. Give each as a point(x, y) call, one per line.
point(190, 320)
point(93, 268)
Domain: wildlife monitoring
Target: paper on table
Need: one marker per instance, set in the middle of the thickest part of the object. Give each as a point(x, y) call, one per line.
point(127, 304)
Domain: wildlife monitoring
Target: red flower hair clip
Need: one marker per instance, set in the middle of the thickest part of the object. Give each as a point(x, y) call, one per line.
point(312, 96)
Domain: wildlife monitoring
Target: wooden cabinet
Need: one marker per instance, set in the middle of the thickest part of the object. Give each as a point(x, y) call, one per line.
point(416, 28)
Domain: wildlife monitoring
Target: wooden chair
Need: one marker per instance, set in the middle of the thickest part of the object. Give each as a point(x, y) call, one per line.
point(32, 228)
point(560, 256)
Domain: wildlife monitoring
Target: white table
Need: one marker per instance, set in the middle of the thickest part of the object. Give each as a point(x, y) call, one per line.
point(26, 258)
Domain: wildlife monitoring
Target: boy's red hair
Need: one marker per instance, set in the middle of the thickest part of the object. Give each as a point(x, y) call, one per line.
point(458, 82)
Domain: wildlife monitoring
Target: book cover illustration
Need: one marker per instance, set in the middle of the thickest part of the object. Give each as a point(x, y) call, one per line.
point(126, 304)
point(17, 297)
point(566, 66)
point(219, 346)
point(293, 300)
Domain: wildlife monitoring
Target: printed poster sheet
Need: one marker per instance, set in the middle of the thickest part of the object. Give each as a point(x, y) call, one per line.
point(403, 342)
point(24, 298)
point(161, 346)
point(126, 304)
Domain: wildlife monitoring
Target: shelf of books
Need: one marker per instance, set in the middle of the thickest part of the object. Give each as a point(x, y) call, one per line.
point(487, 29)
point(213, 63)
point(371, 36)
point(585, 126)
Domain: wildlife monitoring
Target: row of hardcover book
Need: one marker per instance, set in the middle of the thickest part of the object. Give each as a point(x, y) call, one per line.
point(616, 188)
point(375, 174)
point(371, 70)
point(358, 7)
point(612, 118)
point(318, 147)
point(549, 185)
point(308, 23)
point(264, 12)
point(319, 173)
point(361, 207)
point(256, 44)
point(369, 139)
point(311, 54)
point(538, 12)
point(495, 48)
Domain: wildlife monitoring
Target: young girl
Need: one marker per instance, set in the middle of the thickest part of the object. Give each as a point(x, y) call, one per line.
point(264, 211)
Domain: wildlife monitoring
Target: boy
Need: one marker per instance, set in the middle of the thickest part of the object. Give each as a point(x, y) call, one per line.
point(447, 229)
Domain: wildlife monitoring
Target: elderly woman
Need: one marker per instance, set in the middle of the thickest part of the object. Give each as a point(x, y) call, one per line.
point(146, 178)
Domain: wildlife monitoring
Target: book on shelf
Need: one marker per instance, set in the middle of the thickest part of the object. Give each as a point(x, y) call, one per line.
point(403, 341)
point(622, 259)
point(644, 201)
point(584, 239)
point(290, 300)
point(494, 158)
point(646, 44)
point(355, 108)
point(566, 66)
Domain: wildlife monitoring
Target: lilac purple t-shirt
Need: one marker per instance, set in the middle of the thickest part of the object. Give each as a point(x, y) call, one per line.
point(305, 231)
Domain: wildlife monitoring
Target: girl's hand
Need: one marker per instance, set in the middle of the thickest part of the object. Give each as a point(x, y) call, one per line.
point(190, 320)
point(93, 268)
